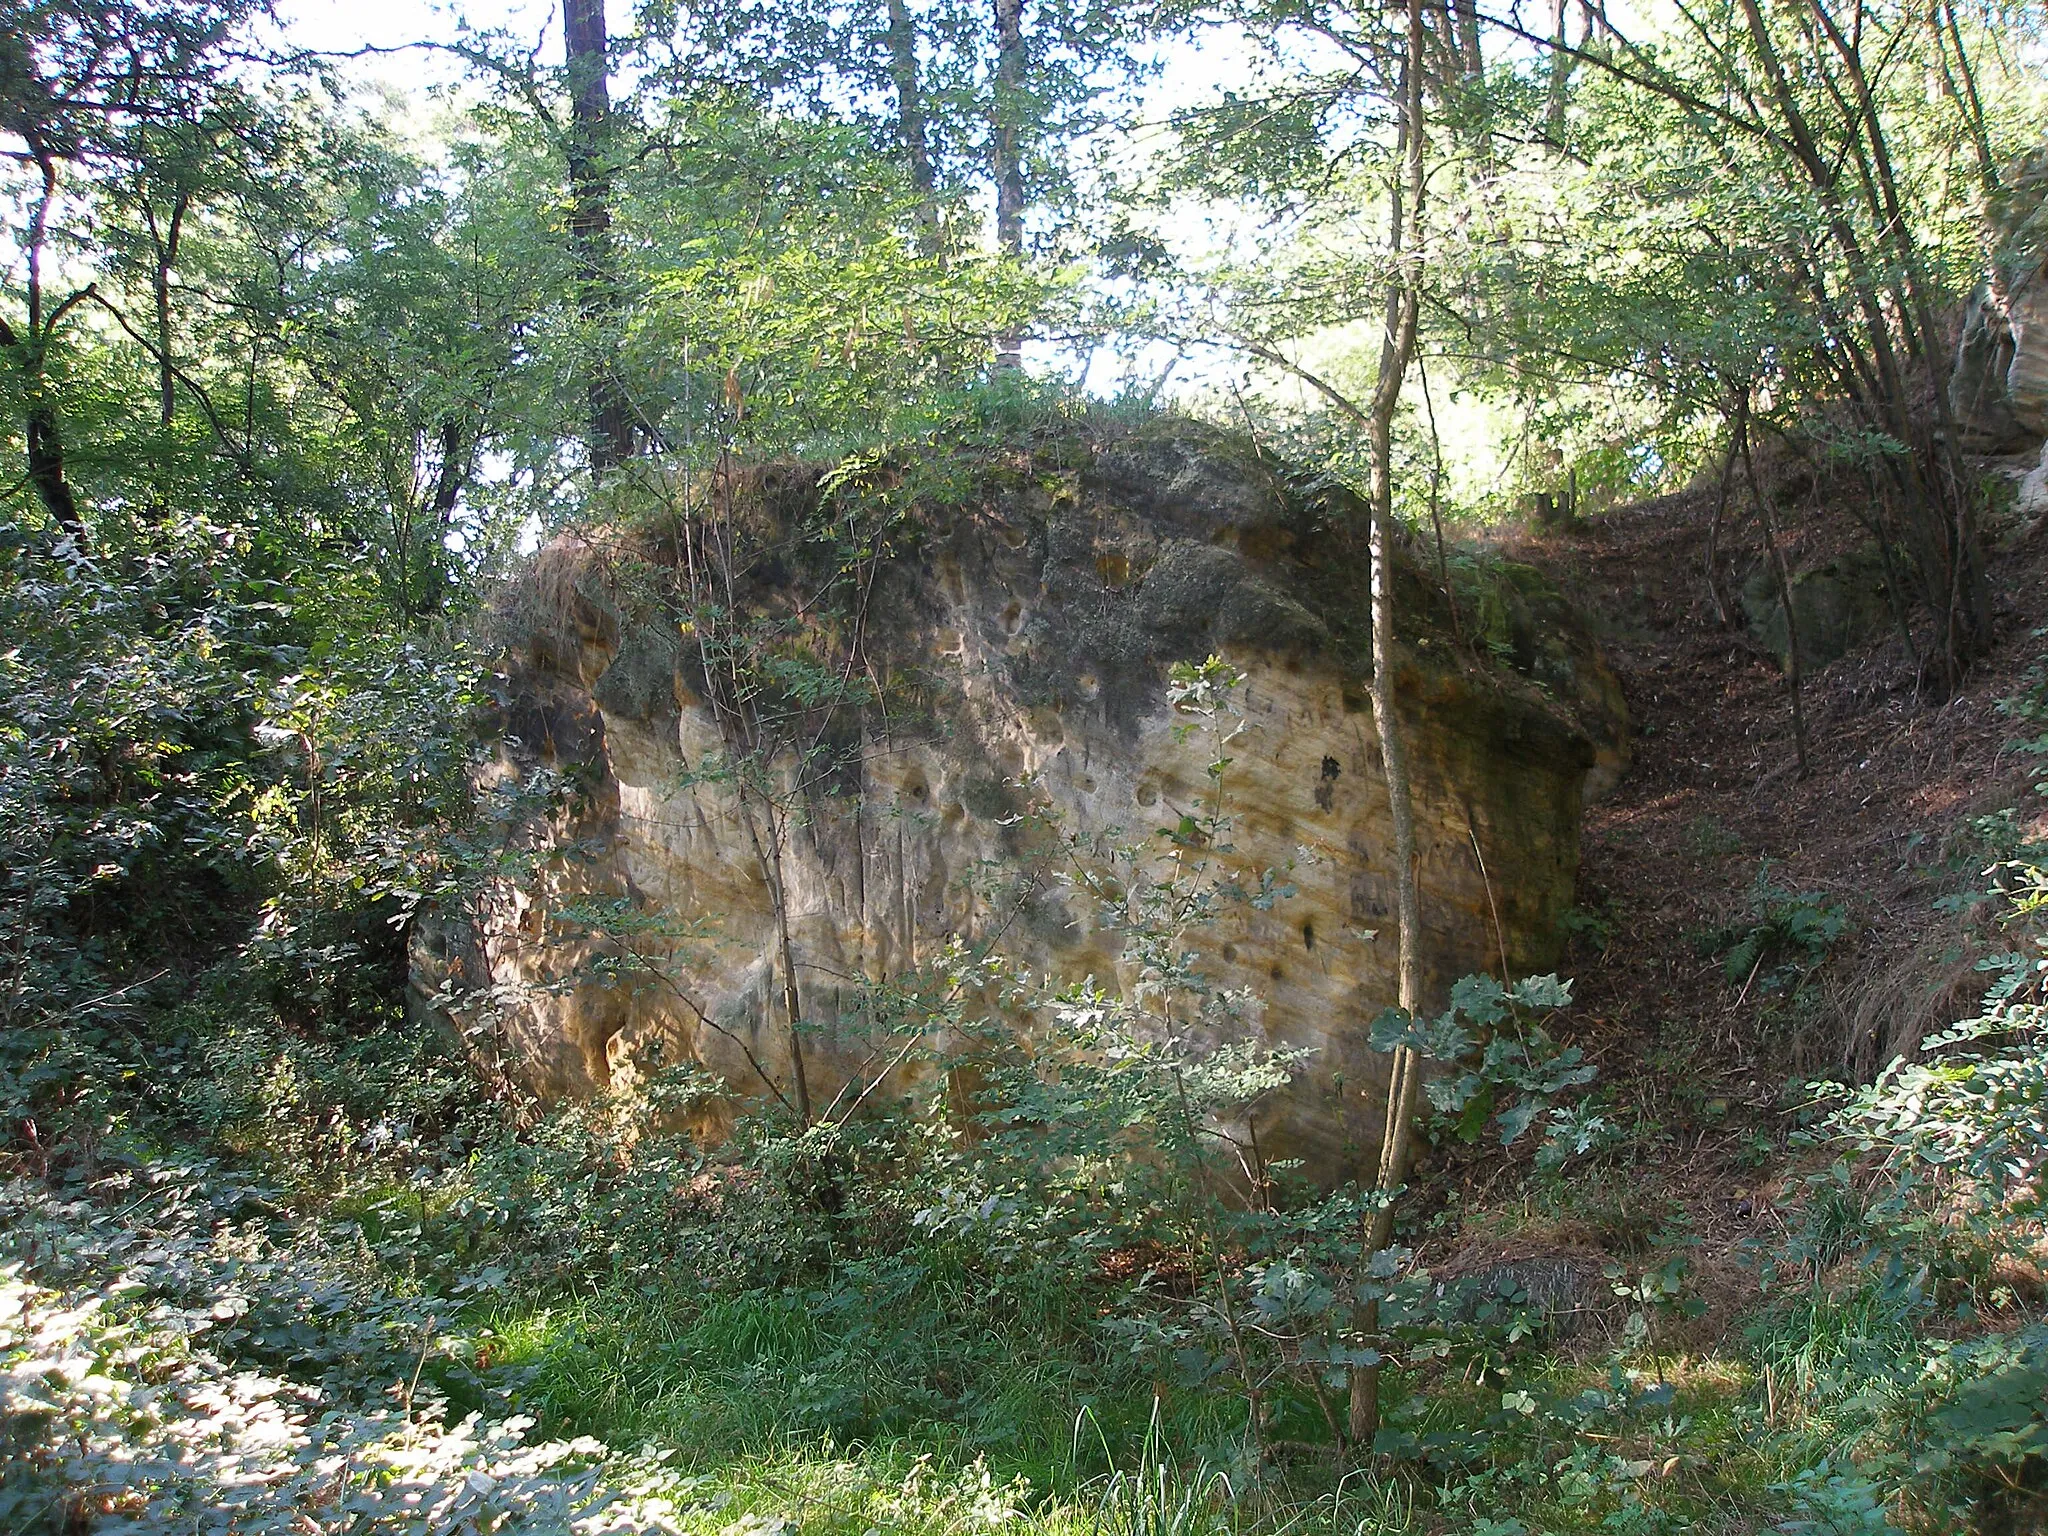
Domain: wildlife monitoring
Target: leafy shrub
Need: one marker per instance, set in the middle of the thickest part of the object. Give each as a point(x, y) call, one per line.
point(1502, 1067)
point(1939, 1185)
point(169, 1364)
point(218, 813)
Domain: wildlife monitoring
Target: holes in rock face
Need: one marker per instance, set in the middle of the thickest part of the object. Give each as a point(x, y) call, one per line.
point(917, 790)
point(1148, 794)
point(1114, 568)
point(1326, 787)
point(1088, 685)
point(1277, 972)
point(1230, 954)
point(1013, 618)
point(1308, 937)
point(1086, 783)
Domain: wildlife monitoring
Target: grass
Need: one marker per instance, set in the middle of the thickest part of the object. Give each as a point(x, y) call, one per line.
point(745, 1374)
point(885, 1395)
point(1824, 1345)
point(776, 1409)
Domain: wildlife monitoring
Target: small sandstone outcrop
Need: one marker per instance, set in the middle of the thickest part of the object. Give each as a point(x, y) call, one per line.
point(1998, 389)
point(1037, 604)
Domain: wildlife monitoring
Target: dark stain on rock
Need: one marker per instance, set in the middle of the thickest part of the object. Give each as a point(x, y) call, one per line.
point(1326, 788)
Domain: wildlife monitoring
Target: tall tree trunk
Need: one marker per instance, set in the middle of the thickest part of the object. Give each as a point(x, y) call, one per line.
point(1397, 349)
point(46, 470)
point(792, 995)
point(437, 517)
point(164, 240)
point(1471, 50)
point(166, 383)
point(1559, 65)
point(44, 439)
point(1934, 513)
point(587, 50)
point(1007, 159)
point(1774, 547)
point(912, 134)
point(449, 475)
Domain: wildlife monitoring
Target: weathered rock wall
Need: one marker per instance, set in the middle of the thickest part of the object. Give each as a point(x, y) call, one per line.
point(1042, 609)
point(1998, 390)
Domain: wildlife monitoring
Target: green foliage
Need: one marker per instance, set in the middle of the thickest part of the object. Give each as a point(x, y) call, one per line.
point(2029, 707)
point(286, 394)
point(1783, 939)
point(215, 819)
point(1937, 1187)
point(1502, 1066)
point(193, 1362)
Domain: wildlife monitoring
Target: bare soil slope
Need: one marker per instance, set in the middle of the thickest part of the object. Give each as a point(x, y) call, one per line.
point(1881, 824)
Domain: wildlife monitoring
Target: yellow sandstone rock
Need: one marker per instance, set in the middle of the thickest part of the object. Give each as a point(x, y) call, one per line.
point(1040, 612)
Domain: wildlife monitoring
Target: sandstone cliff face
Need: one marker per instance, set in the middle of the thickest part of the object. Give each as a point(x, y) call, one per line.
point(1041, 609)
point(1998, 391)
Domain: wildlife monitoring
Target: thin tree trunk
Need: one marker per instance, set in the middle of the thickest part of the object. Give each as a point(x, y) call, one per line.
point(44, 440)
point(588, 147)
point(164, 243)
point(1972, 104)
point(1397, 347)
point(1724, 610)
point(912, 133)
point(164, 240)
point(1936, 519)
point(1007, 160)
point(770, 858)
point(166, 384)
point(750, 753)
point(1559, 67)
point(1436, 508)
point(1776, 550)
point(1967, 599)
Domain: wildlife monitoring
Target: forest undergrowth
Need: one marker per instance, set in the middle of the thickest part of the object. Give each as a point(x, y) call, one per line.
point(1733, 1225)
point(323, 1278)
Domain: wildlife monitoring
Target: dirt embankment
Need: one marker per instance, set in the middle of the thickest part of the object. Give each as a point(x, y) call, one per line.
point(1883, 824)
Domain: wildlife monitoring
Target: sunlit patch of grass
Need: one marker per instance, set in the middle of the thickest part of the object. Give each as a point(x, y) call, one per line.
point(1821, 1346)
point(780, 1412)
point(715, 1377)
point(824, 1490)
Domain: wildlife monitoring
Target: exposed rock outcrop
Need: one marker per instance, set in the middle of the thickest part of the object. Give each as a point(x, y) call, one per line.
point(1841, 606)
point(1038, 605)
point(1998, 390)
